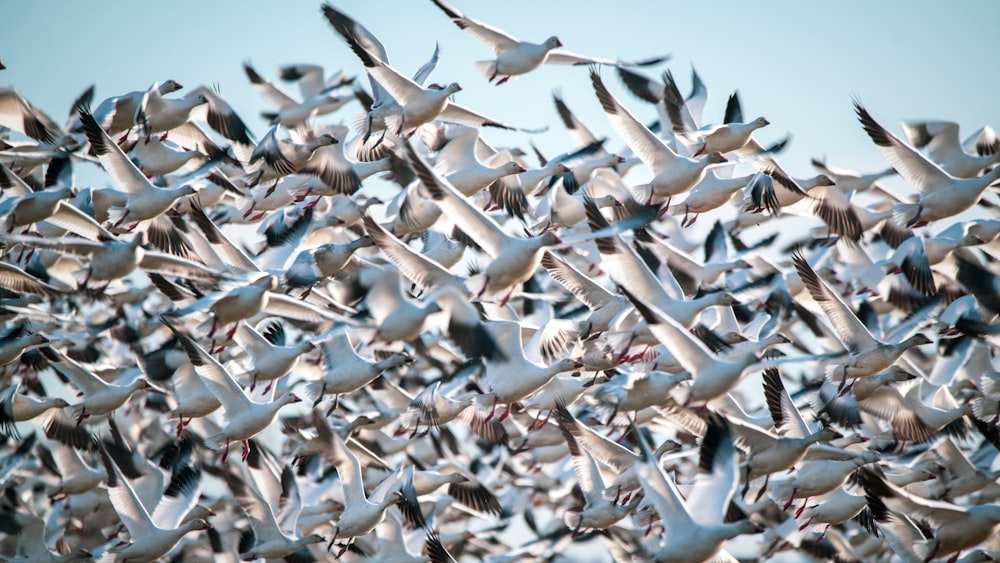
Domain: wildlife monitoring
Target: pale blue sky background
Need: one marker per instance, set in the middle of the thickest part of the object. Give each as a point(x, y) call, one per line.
point(797, 63)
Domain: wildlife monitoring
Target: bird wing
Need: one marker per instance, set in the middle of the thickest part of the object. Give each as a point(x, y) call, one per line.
point(125, 174)
point(911, 165)
point(652, 151)
point(481, 228)
point(849, 329)
point(494, 38)
point(218, 380)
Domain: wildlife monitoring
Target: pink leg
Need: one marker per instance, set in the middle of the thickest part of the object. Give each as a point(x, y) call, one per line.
point(246, 450)
point(225, 454)
point(506, 412)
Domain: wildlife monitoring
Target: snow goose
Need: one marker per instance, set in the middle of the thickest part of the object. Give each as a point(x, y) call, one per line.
point(514, 260)
point(15, 279)
point(868, 355)
point(246, 300)
point(18, 407)
point(712, 192)
point(24, 207)
point(272, 358)
point(712, 376)
point(604, 305)
point(290, 112)
point(445, 290)
point(695, 528)
point(609, 452)
point(157, 114)
point(954, 527)
point(420, 105)
point(664, 292)
point(515, 377)
point(919, 411)
point(941, 140)
point(850, 181)
point(273, 158)
point(136, 198)
point(148, 541)
point(310, 78)
point(30, 531)
point(361, 512)
point(941, 194)
point(672, 174)
point(114, 258)
point(381, 107)
point(117, 113)
point(244, 418)
point(20, 115)
point(17, 340)
point(599, 512)
point(345, 370)
point(459, 164)
point(516, 57)
point(433, 408)
point(99, 397)
point(272, 539)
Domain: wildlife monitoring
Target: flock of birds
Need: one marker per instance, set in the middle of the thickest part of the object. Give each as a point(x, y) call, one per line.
point(502, 361)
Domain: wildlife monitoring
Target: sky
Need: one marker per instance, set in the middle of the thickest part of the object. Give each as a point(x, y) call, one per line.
point(796, 63)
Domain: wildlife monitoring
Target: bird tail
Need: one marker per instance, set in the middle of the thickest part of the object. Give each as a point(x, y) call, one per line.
point(905, 213)
point(487, 68)
point(216, 441)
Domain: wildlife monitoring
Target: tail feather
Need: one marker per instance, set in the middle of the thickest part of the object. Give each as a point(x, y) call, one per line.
point(487, 68)
point(905, 213)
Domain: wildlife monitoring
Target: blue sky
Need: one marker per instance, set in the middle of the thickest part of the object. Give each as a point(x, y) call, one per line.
point(796, 63)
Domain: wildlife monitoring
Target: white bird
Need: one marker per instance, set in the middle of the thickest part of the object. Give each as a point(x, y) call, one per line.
point(420, 105)
point(516, 57)
point(361, 512)
point(673, 174)
point(868, 355)
point(941, 194)
point(18, 407)
point(149, 541)
point(136, 199)
point(99, 396)
point(944, 148)
point(244, 418)
point(117, 113)
point(694, 528)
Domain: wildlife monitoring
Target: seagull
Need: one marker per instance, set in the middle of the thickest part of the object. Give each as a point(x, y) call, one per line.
point(516, 57)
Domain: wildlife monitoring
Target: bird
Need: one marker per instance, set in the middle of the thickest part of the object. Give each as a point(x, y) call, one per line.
point(516, 57)
point(149, 541)
point(695, 526)
point(868, 355)
point(19, 407)
point(245, 418)
point(673, 174)
point(941, 194)
point(361, 512)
